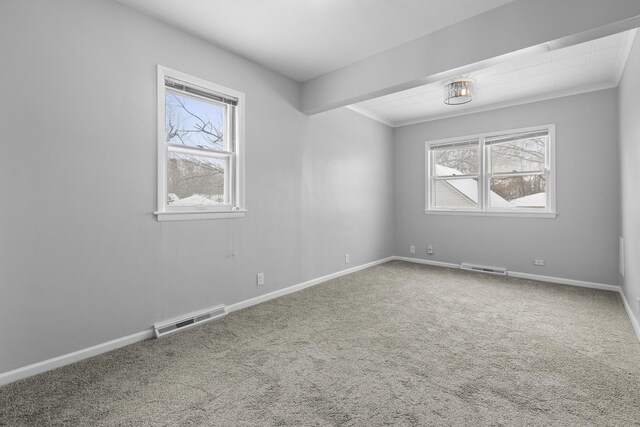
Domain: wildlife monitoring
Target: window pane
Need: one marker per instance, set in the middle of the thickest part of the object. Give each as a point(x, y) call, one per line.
point(524, 155)
point(194, 122)
point(460, 160)
point(456, 193)
point(195, 180)
point(527, 191)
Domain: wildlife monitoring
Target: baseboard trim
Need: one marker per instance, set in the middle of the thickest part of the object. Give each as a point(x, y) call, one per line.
point(529, 276)
point(66, 359)
point(562, 281)
point(426, 262)
point(300, 286)
point(580, 283)
point(76, 356)
point(632, 317)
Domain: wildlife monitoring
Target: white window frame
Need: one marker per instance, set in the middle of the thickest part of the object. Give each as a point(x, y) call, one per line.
point(234, 173)
point(484, 177)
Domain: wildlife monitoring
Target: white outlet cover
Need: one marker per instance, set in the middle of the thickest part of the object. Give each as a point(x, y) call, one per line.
point(346, 258)
point(412, 249)
point(260, 279)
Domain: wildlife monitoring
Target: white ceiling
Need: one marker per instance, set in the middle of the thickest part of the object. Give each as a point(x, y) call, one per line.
point(526, 76)
point(303, 39)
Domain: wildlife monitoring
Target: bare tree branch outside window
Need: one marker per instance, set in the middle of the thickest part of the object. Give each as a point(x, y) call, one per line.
point(194, 123)
point(526, 155)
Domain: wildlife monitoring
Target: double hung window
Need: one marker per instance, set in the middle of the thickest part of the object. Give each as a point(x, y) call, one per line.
point(511, 172)
point(199, 148)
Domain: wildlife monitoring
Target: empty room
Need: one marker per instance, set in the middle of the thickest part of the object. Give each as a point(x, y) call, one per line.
point(320, 213)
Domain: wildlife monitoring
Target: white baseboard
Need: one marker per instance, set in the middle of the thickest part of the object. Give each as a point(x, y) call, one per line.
point(65, 359)
point(559, 280)
point(426, 261)
point(537, 277)
point(56, 362)
point(281, 292)
point(562, 281)
point(632, 317)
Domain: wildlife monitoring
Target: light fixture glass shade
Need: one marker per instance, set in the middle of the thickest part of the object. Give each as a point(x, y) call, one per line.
point(457, 92)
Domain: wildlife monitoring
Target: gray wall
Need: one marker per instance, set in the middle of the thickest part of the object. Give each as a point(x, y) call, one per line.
point(82, 258)
point(580, 244)
point(629, 170)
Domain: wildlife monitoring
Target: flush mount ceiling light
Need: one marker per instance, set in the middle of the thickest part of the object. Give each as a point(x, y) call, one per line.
point(457, 92)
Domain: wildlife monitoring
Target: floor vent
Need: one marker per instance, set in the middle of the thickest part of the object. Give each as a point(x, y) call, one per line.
point(484, 269)
point(188, 321)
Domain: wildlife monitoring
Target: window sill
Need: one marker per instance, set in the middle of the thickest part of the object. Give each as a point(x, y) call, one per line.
point(198, 215)
point(542, 215)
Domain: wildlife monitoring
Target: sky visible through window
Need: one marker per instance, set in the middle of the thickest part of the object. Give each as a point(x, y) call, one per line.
point(194, 122)
point(199, 124)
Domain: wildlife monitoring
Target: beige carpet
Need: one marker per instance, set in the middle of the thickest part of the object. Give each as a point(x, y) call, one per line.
point(397, 344)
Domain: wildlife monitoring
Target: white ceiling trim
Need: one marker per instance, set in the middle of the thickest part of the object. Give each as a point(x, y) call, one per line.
point(631, 36)
point(616, 70)
point(497, 106)
point(506, 104)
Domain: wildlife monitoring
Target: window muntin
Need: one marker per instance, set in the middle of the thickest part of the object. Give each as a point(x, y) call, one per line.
point(515, 173)
point(200, 164)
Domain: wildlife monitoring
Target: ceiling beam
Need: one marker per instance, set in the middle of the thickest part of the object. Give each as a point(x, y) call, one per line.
point(517, 25)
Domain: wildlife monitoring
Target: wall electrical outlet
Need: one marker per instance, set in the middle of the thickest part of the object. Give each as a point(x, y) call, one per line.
point(412, 249)
point(430, 249)
point(260, 279)
point(346, 258)
point(538, 262)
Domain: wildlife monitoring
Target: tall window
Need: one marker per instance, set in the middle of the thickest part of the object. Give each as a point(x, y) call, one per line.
point(200, 164)
point(508, 173)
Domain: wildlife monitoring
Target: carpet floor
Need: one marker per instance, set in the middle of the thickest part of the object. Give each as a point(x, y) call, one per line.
point(396, 344)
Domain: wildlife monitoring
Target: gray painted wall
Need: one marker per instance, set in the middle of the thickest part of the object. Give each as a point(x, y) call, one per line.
point(82, 258)
point(630, 163)
point(580, 244)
